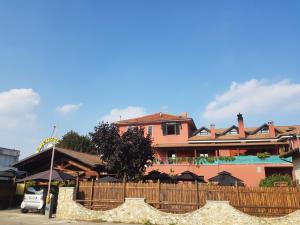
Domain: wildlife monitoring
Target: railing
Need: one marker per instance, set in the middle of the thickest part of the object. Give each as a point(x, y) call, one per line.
point(274, 159)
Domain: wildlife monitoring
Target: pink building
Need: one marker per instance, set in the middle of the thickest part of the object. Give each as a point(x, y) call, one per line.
point(180, 146)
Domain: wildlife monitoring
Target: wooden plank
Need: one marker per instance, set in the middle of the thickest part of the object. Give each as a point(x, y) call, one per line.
point(186, 197)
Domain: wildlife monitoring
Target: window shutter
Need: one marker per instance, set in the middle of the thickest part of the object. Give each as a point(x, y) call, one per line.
point(164, 128)
point(177, 129)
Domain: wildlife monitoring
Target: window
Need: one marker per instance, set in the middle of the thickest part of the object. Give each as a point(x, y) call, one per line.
point(171, 154)
point(233, 131)
point(171, 128)
point(264, 130)
point(150, 129)
point(203, 133)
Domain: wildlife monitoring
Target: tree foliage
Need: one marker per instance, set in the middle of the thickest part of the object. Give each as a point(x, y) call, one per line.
point(127, 154)
point(73, 140)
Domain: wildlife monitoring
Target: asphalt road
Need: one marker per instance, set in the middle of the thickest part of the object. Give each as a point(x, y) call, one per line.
point(15, 217)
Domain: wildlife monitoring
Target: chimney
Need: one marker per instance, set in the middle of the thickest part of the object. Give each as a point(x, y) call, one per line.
point(184, 115)
point(241, 125)
point(160, 114)
point(271, 129)
point(212, 131)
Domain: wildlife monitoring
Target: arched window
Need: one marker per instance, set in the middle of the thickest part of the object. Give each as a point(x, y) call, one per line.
point(203, 133)
point(264, 130)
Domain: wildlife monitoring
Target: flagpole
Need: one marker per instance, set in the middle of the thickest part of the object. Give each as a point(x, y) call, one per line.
point(51, 166)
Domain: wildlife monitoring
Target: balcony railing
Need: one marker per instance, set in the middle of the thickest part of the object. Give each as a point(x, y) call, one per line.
point(273, 159)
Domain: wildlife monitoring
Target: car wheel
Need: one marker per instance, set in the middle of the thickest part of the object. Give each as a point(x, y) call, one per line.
point(24, 210)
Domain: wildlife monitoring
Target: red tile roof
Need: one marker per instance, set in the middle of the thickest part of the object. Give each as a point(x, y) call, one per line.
point(181, 146)
point(250, 133)
point(155, 118)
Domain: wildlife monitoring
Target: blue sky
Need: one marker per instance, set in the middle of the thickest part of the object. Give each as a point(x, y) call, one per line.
point(71, 63)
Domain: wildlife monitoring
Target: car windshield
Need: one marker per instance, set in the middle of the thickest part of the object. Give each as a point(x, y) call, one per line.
point(34, 190)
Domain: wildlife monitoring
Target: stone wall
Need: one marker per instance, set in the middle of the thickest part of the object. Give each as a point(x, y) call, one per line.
point(135, 210)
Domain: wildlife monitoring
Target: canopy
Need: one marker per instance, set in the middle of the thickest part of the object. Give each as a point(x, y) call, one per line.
point(57, 175)
point(226, 179)
point(190, 176)
point(10, 172)
point(156, 175)
point(109, 179)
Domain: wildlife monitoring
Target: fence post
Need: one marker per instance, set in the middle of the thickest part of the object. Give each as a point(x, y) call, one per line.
point(205, 193)
point(238, 195)
point(298, 195)
point(158, 193)
point(92, 193)
point(124, 189)
point(197, 194)
point(76, 187)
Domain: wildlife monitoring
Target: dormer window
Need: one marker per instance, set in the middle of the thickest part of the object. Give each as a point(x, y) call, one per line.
point(233, 131)
point(203, 133)
point(264, 130)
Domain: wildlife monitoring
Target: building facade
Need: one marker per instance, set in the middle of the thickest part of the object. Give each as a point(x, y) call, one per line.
point(249, 153)
point(8, 156)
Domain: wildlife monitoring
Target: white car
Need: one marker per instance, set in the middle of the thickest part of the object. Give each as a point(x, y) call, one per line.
point(34, 199)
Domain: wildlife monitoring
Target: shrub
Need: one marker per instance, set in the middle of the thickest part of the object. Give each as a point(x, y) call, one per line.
point(269, 181)
point(210, 159)
point(263, 155)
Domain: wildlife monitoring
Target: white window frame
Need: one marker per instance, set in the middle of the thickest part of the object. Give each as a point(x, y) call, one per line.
point(264, 130)
point(203, 134)
point(151, 130)
point(235, 133)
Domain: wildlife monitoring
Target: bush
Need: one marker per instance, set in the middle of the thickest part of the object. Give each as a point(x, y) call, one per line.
point(263, 155)
point(210, 159)
point(269, 181)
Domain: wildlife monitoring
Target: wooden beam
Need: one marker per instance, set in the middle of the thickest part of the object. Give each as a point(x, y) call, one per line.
point(80, 166)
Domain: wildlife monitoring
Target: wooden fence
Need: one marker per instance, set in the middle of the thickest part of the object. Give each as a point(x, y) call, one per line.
point(187, 197)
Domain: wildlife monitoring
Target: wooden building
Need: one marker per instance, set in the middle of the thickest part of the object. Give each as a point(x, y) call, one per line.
point(81, 164)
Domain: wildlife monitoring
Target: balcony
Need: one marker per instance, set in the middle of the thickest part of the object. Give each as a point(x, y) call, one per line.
point(273, 159)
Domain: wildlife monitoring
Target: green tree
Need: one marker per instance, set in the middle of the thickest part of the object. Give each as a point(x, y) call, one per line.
point(73, 140)
point(128, 154)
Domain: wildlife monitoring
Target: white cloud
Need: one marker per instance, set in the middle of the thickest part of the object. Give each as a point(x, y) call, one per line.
point(255, 97)
point(17, 108)
point(125, 113)
point(68, 108)
point(18, 129)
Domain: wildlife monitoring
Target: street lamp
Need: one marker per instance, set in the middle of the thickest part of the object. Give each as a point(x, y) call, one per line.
point(51, 167)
